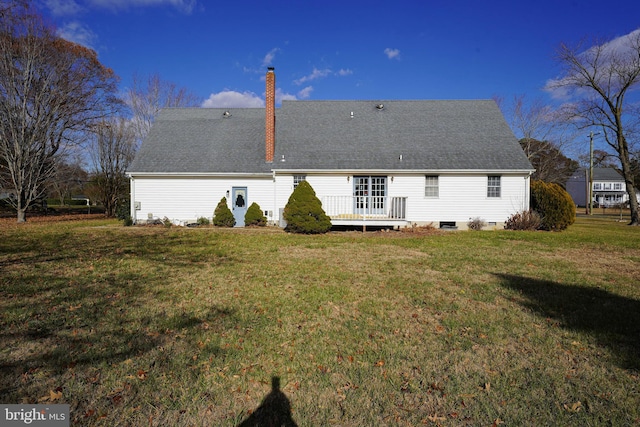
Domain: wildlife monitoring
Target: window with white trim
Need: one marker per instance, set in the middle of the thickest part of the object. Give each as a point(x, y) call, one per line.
point(431, 189)
point(297, 179)
point(617, 186)
point(493, 186)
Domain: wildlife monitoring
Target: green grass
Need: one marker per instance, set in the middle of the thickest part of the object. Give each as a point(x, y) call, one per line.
point(187, 327)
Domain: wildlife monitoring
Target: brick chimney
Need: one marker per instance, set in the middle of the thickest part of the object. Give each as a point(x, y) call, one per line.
point(270, 113)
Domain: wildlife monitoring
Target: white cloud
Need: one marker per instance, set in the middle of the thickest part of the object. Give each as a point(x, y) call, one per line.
point(315, 74)
point(269, 57)
point(233, 99)
point(620, 53)
point(392, 53)
point(185, 6)
point(63, 7)
point(305, 93)
point(342, 72)
point(282, 96)
point(78, 33)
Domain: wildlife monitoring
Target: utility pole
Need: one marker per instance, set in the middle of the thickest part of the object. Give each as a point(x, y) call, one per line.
point(591, 135)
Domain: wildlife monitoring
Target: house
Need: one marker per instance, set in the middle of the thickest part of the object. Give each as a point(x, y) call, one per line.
point(384, 163)
point(609, 188)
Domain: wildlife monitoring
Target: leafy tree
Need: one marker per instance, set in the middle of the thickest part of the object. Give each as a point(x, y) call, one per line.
point(222, 216)
point(303, 212)
point(254, 216)
point(51, 91)
point(549, 162)
point(554, 205)
point(597, 81)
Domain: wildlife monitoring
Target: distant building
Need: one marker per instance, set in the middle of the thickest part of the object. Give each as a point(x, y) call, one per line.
point(608, 187)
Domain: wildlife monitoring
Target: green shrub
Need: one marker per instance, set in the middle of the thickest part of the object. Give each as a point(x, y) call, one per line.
point(203, 221)
point(525, 220)
point(222, 216)
point(553, 204)
point(304, 213)
point(254, 216)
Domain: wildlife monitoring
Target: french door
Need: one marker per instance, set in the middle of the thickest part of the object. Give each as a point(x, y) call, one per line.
point(369, 194)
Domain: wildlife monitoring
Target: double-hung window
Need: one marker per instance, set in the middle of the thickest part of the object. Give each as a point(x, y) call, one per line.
point(431, 187)
point(297, 179)
point(493, 186)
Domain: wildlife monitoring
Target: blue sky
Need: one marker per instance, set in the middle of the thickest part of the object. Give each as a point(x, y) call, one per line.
point(416, 49)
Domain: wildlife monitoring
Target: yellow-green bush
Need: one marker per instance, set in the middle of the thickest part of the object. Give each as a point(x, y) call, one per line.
point(254, 216)
point(554, 205)
point(222, 216)
point(304, 213)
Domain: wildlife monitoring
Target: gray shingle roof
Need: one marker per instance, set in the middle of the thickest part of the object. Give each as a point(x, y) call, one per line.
point(315, 135)
point(202, 140)
point(427, 134)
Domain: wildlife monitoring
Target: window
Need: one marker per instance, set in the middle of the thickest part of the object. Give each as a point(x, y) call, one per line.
point(493, 187)
point(297, 179)
point(597, 186)
point(431, 186)
point(617, 186)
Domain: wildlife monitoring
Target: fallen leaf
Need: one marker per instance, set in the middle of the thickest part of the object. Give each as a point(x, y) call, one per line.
point(380, 363)
point(575, 407)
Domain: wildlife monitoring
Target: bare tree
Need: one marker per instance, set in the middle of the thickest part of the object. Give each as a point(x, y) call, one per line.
point(69, 177)
point(542, 137)
point(51, 90)
point(147, 98)
point(598, 81)
point(112, 150)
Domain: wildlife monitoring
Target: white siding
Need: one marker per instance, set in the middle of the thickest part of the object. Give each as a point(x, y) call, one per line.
point(461, 196)
point(189, 198)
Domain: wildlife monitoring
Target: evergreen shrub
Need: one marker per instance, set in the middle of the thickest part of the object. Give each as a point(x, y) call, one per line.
point(254, 216)
point(304, 213)
point(554, 205)
point(222, 215)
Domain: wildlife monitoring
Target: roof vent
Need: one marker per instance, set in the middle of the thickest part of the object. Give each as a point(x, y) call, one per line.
point(379, 106)
point(352, 114)
point(226, 114)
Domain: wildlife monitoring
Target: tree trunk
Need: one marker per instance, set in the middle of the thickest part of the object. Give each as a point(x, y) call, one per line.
point(633, 204)
point(21, 208)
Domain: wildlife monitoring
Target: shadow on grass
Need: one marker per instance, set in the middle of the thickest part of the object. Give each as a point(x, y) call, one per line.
point(275, 410)
point(612, 319)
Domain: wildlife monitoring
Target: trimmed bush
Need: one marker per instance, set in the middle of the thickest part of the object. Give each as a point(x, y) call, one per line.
point(525, 220)
point(203, 221)
point(554, 205)
point(254, 216)
point(222, 216)
point(304, 213)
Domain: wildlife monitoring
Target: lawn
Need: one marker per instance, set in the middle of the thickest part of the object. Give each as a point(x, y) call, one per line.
point(156, 326)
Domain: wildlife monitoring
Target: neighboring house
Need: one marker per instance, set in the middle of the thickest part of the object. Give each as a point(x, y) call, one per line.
point(376, 163)
point(609, 188)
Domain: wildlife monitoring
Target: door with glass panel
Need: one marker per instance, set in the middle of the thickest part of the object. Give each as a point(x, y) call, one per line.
point(369, 194)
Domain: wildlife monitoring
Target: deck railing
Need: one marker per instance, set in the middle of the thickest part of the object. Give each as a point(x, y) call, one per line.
point(365, 207)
